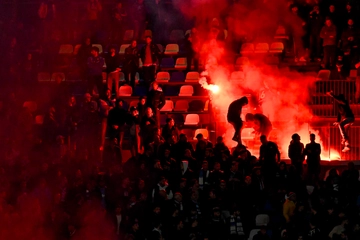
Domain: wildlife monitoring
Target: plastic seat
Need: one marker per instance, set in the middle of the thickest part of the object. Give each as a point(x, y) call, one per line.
point(133, 103)
point(247, 48)
point(192, 77)
point(181, 106)
point(253, 233)
point(196, 105)
point(39, 119)
point(168, 107)
point(76, 49)
point(276, 47)
point(123, 48)
point(203, 131)
point(181, 63)
point(281, 33)
point(192, 119)
point(323, 75)
point(241, 61)
point(56, 74)
point(272, 60)
point(237, 76)
point(128, 35)
point(30, 105)
point(140, 91)
point(186, 90)
point(262, 48)
point(167, 63)
point(171, 49)
point(43, 77)
point(99, 46)
point(66, 49)
point(162, 76)
point(177, 77)
point(171, 91)
point(125, 91)
point(262, 220)
point(176, 35)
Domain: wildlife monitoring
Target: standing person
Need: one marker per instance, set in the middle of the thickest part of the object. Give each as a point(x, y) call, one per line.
point(131, 64)
point(296, 152)
point(113, 70)
point(269, 157)
point(106, 104)
point(116, 121)
point(260, 123)
point(315, 24)
point(233, 117)
point(328, 34)
point(156, 100)
point(313, 151)
point(344, 119)
point(147, 126)
point(95, 65)
point(82, 56)
point(149, 56)
point(133, 122)
point(170, 130)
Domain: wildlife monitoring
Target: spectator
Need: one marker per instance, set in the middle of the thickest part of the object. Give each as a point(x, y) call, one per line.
point(148, 123)
point(155, 100)
point(131, 64)
point(116, 122)
point(315, 24)
point(169, 130)
point(328, 34)
point(313, 151)
point(134, 123)
point(149, 56)
point(94, 9)
point(141, 106)
point(112, 61)
point(139, 18)
point(289, 207)
point(95, 65)
point(296, 153)
point(106, 104)
point(260, 123)
point(83, 55)
point(119, 17)
point(261, 235)
point(269, 156)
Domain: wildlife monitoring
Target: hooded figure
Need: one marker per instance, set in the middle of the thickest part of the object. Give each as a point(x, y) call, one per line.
point(233, 116)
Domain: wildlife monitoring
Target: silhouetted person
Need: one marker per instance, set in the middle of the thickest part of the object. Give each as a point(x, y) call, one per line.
point(269, 157)
point(233, 117)
point(260, 123)
point(156, 100)
point(95, 65)
point(131, 64)
point(313, 151)
point(296, 152)
point(149, 56)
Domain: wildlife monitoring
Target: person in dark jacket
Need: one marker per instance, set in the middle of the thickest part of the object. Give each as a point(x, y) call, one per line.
point(116, 121)
point(344, 119)
point(131, 64)
point(156, 100)
point(328, 34)
point(296, 152)
point(95, 65)
point(233, 117)
point(313, 151)
point(315, 24)
point(82, 55)
point(149, 56)
point(148, 123)
point(260, 123)
point(169, 130)
point(112, 61)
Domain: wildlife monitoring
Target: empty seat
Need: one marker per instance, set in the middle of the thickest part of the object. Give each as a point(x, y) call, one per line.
point(123, 48)
point(181, 63)
point(237, 76)
point(323, 75)
point(192, 119)
point(241, 61)
point(140, 91)
point(281, 33)
point(186, 90)
point(171, 49)
point(272, 60)
point(262, 48)
point(196, 105)
point(203, 131)
point(39, 119)
point(176, 35)
point(128, 35)
point(58, 75)
point(43, 77)
point(192, 77)
point(247, 48)
point(162, 77)
point(276, 47)
point(181, 105)
point(167, 63)
point(76, 49)
point(171, 91)
point(262, 220)
point(168, 107)
point(30, 105)
point(125, 91)
point(99, 46)
point(177, 77)
point(66, 49)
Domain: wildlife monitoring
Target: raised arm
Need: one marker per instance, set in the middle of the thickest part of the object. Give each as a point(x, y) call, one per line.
point(337, 99)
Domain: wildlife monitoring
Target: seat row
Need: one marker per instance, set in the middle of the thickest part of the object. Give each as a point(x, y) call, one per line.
point(183, 91)
point(262, 48)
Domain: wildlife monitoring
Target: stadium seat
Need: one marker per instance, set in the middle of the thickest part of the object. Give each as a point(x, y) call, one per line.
point(237, 76)
point(76, 49)
point(203, 131)
point(171, 91)
point(147, 33)
point(206, 107)
point(66, 49)
point(192, 119)
point(160, 47)
point(122, 77)
point(186, 90)
point(140, 91)
point(177, 77)
point(181, 106)
point(310, 189)
point(192, 77)
point(125, 91)
point(123, 48)
point(281, 33)
point(133, 103)
point(262, 220)
point(55, 74)
point(353, 74)
point(162, 77)
point(39, 119)
point(272, 60)
point(247, 48)
point(181, 64)
point(168, 107)
point(262, 48)
point(176, 35)
point(241, 61)
point(196, 106)
point(171, 49)
point(30, 105)
point(43, 77)
point(323, 75)
point(276, 47)
point(253, 233)
point(167, 63)
point(99, 46)
point(188, 32)
point(128, 35)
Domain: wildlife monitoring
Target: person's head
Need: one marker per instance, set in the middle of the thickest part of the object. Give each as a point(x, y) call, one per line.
point(200, 137)
point(292, 196)
point(249, 117)
point(332, 8)
point(316, 8)
point(72, 100)
point(350, 22)
point(348, 6)
point(312, 137)
point(149, 112)
point(178, 197)
point(112, 50)
point(133, 43)
point(205, 165)
point(170, 122)
point(263, 139)
point(282, 166)
point(245, 101)
point(87, 41)
point(142, 100)
point(294, 8)
point(328, 22)
point(219, 139)
point(154, 85)
point(248, 180)
point(263, 230)
point(119, 5)
point(162, 181)
point(222, 184)
point(108, 93)
point(87, 97)
point(134, 112)
point(58, 78)
point(194, 196)
point(182, 137)
point(148, 39)
point(217, 166)
point(94, 51)
point(296, 137)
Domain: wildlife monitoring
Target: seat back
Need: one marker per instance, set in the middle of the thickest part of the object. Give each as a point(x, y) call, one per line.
point(66, 49)
point(43, 77)
point(323, 75)
point(125, 91)
point(262, 220)
point(168, 107)
point(192, 77)
point(247, 48)
point(176, 35)
point(192, 119)
point(181, 105)
point(261, 48)
point(39, 119)
point(171, 49)
point(30, 105)
point(58, 74)
point(123, 48)
point(162, 76)
point(128, 35)
point(181, 63)
point(186, 90)
point(99, 46)
point(203, 131)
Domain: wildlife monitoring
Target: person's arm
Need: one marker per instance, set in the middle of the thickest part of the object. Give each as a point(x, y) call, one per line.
point(162, 100)
point(323, 33)
point(337, 99)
